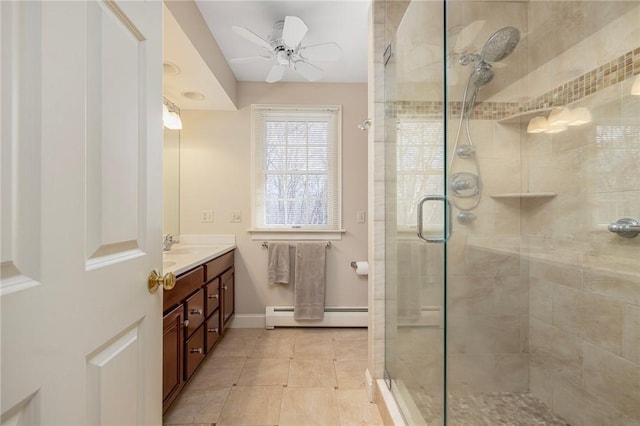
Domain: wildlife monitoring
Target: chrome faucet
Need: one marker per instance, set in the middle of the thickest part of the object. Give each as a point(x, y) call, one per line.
point(168, 241)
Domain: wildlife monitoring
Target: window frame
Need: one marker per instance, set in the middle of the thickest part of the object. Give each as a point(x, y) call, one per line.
point(333, 230)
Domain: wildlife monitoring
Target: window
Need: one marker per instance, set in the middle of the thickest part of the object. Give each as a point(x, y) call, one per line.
point(296, 168)
point(420, 167)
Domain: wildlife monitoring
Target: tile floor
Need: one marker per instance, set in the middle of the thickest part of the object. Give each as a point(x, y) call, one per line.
point(286, 376)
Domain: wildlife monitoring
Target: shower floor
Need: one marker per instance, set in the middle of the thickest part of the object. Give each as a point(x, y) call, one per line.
point(488, 409)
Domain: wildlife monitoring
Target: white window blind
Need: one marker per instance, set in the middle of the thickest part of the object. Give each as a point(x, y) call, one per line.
point(296, 168)
point(420, 168)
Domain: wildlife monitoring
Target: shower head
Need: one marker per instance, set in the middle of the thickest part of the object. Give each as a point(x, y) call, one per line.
point(500, 44)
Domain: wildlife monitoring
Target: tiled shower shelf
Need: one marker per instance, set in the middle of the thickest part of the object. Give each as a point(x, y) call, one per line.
point(523, 195)
point(524, 117)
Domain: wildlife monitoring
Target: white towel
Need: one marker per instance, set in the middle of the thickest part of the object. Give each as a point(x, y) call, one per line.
point(309, 281)
point(278, 263)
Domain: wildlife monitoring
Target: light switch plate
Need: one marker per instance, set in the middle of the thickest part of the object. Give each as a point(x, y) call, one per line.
point(361, 216)
point(206, 216)
point(236, 216)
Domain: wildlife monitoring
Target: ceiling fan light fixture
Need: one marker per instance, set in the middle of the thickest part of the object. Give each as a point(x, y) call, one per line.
point(284, 44)
point(282, 57)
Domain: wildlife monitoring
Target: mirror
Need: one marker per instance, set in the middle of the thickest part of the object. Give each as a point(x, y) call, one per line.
point(171, 182)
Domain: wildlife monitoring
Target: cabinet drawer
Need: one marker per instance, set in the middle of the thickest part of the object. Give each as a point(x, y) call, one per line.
point(213, 296)
point(194, 352)
point(219, 265)
point(194, 311)
point(212, 328)
point(185, 285)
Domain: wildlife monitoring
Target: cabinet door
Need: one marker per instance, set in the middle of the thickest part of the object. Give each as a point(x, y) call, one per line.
point(228, 296)
point(172, 344)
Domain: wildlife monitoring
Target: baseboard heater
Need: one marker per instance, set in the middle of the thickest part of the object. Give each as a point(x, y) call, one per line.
point(282, 316)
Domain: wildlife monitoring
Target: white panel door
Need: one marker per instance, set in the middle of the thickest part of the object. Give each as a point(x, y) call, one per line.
point(80, 101)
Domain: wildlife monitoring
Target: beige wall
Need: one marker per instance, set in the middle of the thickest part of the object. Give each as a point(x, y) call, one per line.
point(215, 175)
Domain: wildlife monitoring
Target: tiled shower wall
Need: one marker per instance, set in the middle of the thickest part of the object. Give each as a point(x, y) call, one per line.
point(585, 281)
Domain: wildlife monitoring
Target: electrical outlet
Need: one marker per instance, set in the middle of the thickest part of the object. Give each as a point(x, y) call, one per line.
point(236, 216)
point(361, 216)
point(206, 216)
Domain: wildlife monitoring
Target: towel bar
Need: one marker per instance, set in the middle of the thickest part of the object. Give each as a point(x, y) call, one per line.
point(265, 244)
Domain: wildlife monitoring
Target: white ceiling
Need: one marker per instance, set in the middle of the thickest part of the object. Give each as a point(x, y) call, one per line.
point(343, 22)
point(194, 75)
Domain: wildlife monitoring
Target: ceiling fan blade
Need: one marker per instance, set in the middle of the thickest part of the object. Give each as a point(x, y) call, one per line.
point(242, 31)
point(307, 70)
point(293, 31)
point(250, 59)
point(276, 73)
point(321, 52)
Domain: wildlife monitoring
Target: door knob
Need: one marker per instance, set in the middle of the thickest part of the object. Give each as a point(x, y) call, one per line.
point(168, 281)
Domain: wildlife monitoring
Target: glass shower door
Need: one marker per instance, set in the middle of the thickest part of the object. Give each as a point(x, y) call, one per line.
point(414, 169)
point(526, 116)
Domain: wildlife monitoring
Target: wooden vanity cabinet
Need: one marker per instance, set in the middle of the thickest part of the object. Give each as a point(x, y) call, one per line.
point(172, 347)
point(201, 301)
point(212, 291)
point(222, 269)
point(194, 352)
point(212, 323)
point(194, 311)
point(212, 328)
point(228, 297)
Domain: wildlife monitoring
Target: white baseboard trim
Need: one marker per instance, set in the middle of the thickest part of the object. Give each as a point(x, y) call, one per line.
point(247, 321)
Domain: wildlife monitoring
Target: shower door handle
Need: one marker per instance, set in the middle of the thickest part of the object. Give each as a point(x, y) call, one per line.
point(447, 227)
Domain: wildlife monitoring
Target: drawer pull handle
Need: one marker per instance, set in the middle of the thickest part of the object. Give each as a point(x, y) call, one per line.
point(196, 312)
point(195, 350)
point(213, 296)
point(213, 330)
point(185, 324)
point(224, 287)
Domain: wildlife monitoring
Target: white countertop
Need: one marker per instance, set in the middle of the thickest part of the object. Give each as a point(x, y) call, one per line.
point(194, 250)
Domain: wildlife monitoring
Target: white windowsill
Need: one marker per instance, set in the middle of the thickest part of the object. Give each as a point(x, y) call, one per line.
point(296, 234)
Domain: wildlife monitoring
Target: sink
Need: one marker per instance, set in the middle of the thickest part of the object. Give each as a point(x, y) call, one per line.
point(180, 251)
point(168, 264)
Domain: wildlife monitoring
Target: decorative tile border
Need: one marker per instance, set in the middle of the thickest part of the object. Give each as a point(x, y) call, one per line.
point(613, 72)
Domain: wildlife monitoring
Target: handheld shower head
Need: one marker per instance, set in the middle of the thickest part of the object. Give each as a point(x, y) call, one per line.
point(500, 44)
point(482, 76)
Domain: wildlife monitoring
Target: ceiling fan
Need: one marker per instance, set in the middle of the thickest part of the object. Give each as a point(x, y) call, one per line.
point(284, 45)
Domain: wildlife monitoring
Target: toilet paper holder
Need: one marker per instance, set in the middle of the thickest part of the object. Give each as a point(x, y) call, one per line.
point(360, 267)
